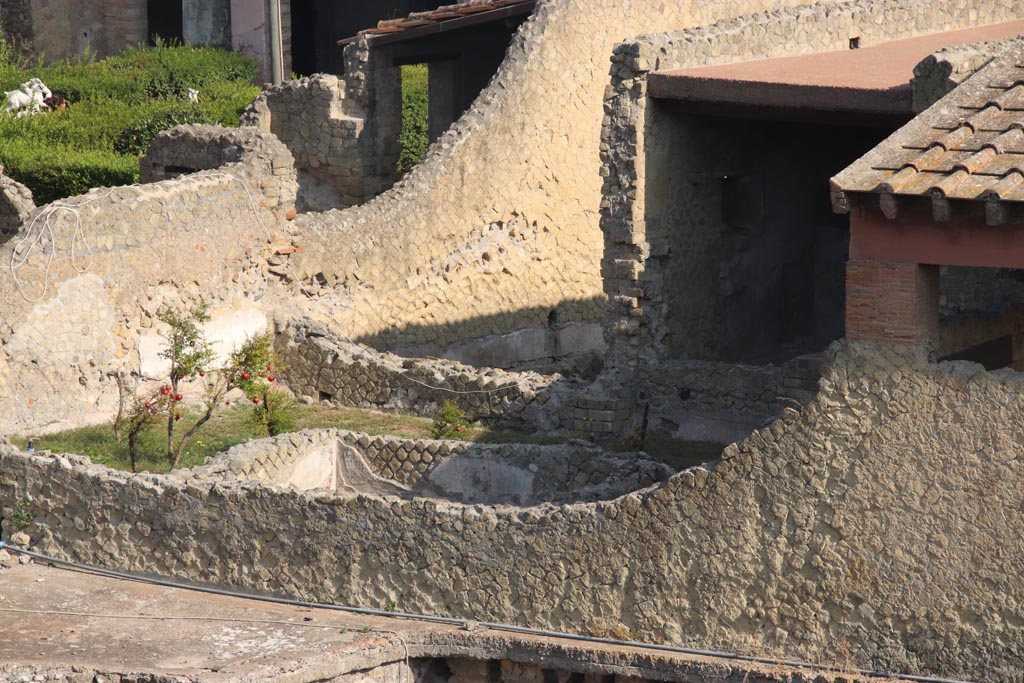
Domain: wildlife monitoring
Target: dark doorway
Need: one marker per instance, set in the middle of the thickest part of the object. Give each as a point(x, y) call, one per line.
point(305, 20)
point(165, 21)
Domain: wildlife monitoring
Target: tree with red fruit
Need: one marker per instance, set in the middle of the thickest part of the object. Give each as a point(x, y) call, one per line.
point(254, 366)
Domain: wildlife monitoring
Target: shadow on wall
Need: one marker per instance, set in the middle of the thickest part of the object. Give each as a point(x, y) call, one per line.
point(566, 338)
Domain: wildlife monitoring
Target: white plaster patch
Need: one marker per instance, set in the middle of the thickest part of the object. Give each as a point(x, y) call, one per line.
point(315, 470)
point(228, 329)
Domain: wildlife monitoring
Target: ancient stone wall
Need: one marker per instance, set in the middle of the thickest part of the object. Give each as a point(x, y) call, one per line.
point(321, 366)
point(880, 526)
point(497, 230)
point(15, 205)
point(633, 132)
point(940, 72)
point(91, 273)
point(452, 470)
point(326, 132)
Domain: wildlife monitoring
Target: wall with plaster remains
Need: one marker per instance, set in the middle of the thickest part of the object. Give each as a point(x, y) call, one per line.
point(880, 526)
point(520, 474)
point(92, 272)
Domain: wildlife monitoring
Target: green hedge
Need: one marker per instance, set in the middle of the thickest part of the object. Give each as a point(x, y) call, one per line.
point(413, 137)
point(116, 107)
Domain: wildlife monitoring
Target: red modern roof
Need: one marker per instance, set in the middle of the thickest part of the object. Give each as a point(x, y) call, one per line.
point(873, 79)
point(445, 17)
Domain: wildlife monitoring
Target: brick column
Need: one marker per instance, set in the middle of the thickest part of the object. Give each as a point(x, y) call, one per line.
point(894, 303)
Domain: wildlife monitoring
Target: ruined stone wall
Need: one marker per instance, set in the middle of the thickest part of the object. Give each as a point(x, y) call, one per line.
point(322, 366)
point(636, 287)
point(325, 132)
point(453, 470)
point(880, 526)
point(498, 227)
point(92, 272)
point(940, 72)
point(15, 205)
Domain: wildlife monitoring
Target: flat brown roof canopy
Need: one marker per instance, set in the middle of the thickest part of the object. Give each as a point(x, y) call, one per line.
point(872, 82)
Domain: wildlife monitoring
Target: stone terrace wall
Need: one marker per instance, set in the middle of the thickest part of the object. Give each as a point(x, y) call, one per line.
point(633, 283)
point(92, 272)
point(881, 526)
point(322, 366)
point(498, 227)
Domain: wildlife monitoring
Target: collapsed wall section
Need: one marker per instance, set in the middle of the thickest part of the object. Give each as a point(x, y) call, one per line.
point(881, 526)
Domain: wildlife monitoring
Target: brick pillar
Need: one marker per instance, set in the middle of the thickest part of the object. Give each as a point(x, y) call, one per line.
point(895, 303)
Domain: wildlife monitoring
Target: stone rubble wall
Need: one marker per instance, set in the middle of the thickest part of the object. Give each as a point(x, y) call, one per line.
point(326, 131)
point(633, 286)
point(15, 205)
point(321, 366)
point(498, 227)
point(940, 72)
point(881, 526)
point(93, 272)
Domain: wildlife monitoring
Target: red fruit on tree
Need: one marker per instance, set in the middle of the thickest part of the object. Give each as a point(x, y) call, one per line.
point(177, 397)
point(177, 416)
point(245, 375)
point(228, 402)
point(256, 399)
point(148, 404)
point(458, 428)
point(202, 374)
point(270, 378)
point(270, 367)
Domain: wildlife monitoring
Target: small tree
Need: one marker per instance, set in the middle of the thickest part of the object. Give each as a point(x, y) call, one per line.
point(190, 354)
point(253, 369)
point(449, 421)
point(250, 368)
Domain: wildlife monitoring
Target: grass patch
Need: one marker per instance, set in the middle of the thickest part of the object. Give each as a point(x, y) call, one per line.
point(234, 426)
point(115, 108)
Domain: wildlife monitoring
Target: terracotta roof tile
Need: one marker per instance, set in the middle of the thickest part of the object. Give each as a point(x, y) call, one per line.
point(441, 14)
point(968, 146)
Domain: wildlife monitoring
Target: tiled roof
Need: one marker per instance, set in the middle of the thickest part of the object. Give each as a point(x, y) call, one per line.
point(442, 14)
point(969, 146)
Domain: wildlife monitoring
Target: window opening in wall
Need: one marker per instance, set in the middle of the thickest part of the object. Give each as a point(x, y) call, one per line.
point(981, 316)
point(165, 22)
point(415, 111)
point(305, 20)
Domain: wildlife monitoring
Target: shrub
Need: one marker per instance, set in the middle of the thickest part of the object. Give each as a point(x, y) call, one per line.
point(115, 108)
point(64, 172)
point(134, 140)
point(449, 421)
point(415, 105)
